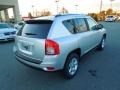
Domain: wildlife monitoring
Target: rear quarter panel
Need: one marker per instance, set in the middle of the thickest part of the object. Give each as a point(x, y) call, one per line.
point(66, 44)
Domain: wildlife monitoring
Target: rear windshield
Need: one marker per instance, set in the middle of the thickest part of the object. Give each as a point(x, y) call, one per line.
point(36, 29)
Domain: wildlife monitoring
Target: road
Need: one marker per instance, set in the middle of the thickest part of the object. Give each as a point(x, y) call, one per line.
point(99, 70)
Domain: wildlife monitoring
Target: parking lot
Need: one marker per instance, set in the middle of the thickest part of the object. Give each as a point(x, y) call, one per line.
point(99, 70)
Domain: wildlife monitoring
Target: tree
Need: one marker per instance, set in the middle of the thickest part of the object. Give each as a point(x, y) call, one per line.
point(93, 15)
point(109, 11)
point(64, 10)
point(30, 15)
point(45, 13)
point(102, 15)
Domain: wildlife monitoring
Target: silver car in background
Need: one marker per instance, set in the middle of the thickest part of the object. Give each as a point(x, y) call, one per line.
point(19, 25)
point(57, 42)
point(7, 32)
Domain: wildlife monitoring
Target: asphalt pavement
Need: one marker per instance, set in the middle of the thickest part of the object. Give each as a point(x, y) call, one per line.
point(99, 70)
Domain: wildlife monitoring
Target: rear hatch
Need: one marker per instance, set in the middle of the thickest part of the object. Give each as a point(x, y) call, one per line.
point(30, 40)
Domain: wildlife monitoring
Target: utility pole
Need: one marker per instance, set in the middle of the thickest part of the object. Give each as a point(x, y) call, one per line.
point(57, 4)
point(76, 8)
point(101, 5)
point(33, 10)
point(111, 3)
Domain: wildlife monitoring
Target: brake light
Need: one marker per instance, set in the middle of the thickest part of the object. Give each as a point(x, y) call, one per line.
point(51, 47)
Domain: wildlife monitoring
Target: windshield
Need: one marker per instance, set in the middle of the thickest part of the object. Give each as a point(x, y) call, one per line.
point(110, 17)
point(4, 26)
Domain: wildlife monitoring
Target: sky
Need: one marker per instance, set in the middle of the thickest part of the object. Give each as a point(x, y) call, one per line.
point(84, 6)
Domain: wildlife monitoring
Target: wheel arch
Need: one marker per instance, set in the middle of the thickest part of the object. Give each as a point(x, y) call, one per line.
point(104, 35)
point(77, 51)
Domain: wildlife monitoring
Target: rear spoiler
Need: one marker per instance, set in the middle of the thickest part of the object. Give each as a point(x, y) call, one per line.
point(39, 22)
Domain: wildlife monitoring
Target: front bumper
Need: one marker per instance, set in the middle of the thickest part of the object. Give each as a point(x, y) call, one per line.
point(7, 37)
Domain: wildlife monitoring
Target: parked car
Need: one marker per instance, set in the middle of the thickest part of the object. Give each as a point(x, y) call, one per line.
point(19, 25)
point(118, 18)
point(58, 42)
point(110, 18)
point(6, 32)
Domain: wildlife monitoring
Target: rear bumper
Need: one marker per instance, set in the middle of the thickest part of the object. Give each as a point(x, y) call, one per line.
point(47, 62)
point(7, 38)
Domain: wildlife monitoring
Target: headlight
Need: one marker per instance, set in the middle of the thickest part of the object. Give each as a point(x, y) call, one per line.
point(1, 34)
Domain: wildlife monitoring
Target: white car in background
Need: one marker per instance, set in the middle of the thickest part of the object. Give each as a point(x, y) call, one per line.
point(19, 25)
point(110, 18)
point(7, 32)
point(118, 18)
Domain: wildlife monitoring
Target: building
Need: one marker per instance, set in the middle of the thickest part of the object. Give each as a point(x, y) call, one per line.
point(5, 5)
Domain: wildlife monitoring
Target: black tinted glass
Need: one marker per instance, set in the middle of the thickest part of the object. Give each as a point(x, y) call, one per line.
point(36, 29)
point(69, 24)
point(21, 23)
point(80, 25)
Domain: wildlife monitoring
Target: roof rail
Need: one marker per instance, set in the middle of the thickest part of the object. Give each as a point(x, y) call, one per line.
point(68, 14)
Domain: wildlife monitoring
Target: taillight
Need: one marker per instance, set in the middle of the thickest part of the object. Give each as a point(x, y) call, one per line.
point(51, 47)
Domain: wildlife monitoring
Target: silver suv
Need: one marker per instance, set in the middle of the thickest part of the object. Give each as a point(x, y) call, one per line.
point(57, 42)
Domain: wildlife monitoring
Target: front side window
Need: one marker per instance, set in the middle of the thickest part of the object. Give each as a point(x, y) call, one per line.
point(80, 25)
point(91, 23)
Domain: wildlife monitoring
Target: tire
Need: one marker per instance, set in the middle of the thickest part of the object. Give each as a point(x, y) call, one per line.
point(71, 66)
point(102, 44)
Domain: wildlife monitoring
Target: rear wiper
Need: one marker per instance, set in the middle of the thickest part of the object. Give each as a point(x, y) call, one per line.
point(30, 34)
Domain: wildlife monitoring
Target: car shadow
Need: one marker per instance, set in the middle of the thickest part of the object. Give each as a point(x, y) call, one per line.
point(86, 56)
point(6, 42)
point(57, 75)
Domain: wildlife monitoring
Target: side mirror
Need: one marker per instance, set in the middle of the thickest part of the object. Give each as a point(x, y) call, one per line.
point(97, 27)
point(100, 26)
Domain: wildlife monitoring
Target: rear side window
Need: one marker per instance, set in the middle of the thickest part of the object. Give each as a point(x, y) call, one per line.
point(69, 24)
point(80, 25)
point(76, 25)
point(36, 29)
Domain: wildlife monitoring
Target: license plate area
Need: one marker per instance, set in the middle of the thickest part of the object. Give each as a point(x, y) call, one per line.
point(12, 36)
point(26, 47)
